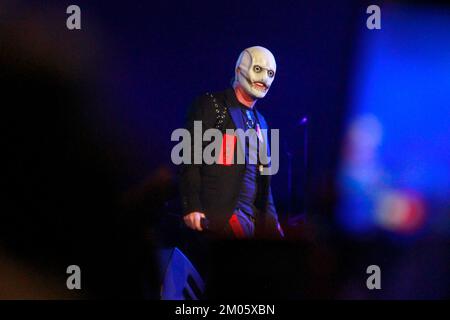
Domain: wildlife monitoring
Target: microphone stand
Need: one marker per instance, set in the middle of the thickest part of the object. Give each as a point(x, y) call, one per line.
point(294, 219)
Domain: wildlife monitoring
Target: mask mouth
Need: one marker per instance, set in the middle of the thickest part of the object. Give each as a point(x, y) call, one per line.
point(261, 86)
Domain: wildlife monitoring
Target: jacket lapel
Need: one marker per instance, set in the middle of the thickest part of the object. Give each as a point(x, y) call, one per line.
point(234, 110)
point(236, 116)
point(264, 128)
point(265, 146)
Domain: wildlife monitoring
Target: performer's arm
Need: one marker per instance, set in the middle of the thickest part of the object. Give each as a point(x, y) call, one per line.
point(190, 177)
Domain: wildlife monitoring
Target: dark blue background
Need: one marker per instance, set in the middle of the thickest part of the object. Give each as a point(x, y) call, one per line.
point(156, 57)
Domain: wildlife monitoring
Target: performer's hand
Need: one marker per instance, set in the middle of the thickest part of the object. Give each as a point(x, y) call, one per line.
point(192, 220)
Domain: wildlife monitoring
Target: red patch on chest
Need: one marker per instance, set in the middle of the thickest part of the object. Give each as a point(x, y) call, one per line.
point(226, 154)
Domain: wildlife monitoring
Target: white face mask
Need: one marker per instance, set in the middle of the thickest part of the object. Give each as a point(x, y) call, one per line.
point(255, 71)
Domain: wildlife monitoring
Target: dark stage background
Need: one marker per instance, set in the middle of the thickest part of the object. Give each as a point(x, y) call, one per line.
point(89, 113)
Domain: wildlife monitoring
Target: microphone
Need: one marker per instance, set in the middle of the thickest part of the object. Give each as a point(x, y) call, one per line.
point(204, 222)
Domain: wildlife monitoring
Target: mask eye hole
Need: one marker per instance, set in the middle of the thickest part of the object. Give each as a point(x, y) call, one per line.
point(257, 69)
point(271, 73)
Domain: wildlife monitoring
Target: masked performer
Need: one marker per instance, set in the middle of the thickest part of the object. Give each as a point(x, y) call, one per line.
point(234, 198)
